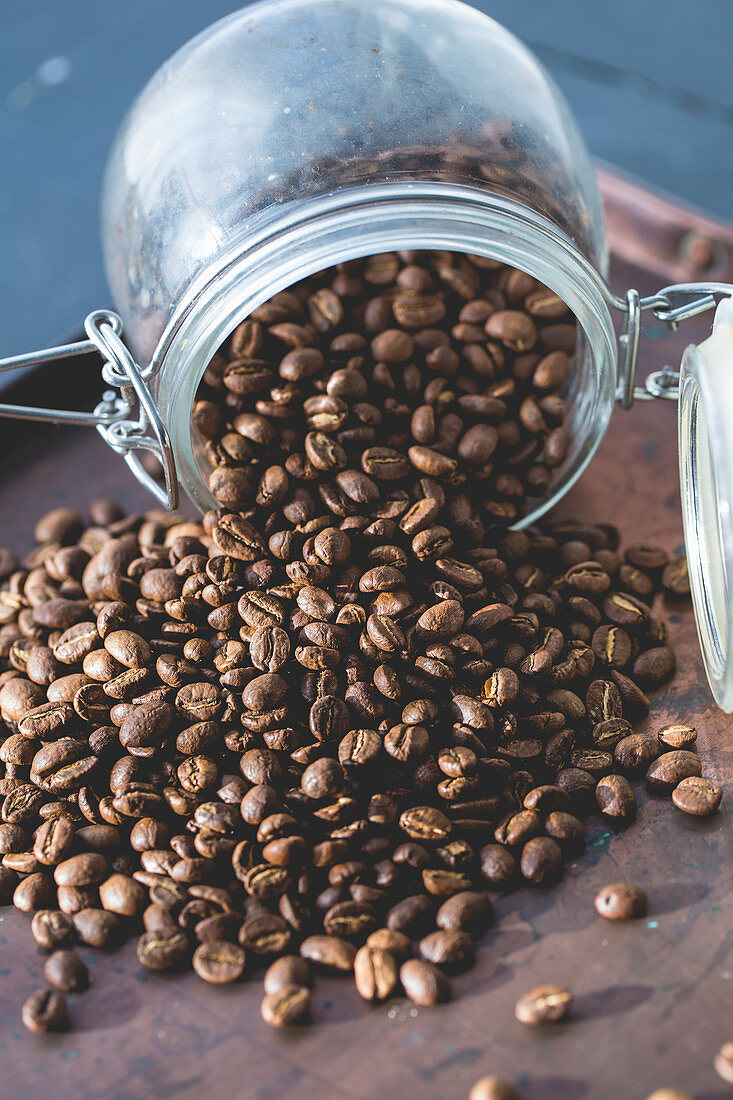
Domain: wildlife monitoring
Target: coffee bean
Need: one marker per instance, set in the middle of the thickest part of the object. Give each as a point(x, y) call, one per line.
point(621, 901)
point(65, 971)
point(162, 950)
point(95, 927)
point(724, 1063)
point(493, 1088)
point(288, 1005)
point(498, 866)
point(285, 971)
point(615, 798)
point(541, 861)
point(697, 796)
point(375, 973)
point(678, 737)
point(424, 983)
point(219, 962)
point(669, 769)
point(451, 951)
point(51, 928)
point(547, 1004)
point(468, 911)
point(45, 1011)
point(329, 953)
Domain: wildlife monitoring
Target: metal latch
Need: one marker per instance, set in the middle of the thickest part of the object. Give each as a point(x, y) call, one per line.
point(114, 415)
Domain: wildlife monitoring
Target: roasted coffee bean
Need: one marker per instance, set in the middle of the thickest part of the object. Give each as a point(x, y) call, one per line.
point(615, 798)
point(45, 1011)
point(498, 866)
point(375, 973)
point(288, 1005)
point(697, 796)
point(493, 1088)
point(669, 769)
point(329, 953)
point(621, 901)
point(64, 970)
point(636, 752)
point(285, 971)
point(219, 962)
point(424, 983)
point(451, 951)
point(162, 950)
point(468, 911)
point(51, 928)
point(547, 1004)
point(541, 861)
point(678, 737)
point(724, 1063)
point(95, 927)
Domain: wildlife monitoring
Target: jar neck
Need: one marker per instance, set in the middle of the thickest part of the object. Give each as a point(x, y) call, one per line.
point(294, 241)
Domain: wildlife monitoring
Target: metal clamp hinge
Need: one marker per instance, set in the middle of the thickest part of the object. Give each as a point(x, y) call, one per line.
point(692, 299)
point(114, 415)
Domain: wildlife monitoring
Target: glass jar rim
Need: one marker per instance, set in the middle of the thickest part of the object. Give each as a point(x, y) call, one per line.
point(705, 444)
point(308, 235)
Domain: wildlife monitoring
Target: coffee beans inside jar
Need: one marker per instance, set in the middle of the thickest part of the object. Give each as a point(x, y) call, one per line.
point(314, 731)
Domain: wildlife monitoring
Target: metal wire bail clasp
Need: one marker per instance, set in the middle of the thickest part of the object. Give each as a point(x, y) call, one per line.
point(670, 305)
point(113, 416)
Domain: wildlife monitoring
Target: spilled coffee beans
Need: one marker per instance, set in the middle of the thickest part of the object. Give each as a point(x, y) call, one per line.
point(310, 732)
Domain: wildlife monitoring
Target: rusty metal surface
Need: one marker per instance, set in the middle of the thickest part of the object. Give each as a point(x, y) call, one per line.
point(654, 999)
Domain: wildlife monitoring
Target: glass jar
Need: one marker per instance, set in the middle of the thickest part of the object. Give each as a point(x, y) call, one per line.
point(297, 134)
point(294, 135)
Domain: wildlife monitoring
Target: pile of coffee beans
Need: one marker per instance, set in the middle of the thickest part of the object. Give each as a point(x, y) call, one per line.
point(321, 763)
point(314, 731)
point(349, 387)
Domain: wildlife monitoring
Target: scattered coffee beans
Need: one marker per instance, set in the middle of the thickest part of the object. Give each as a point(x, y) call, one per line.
point(310, 731)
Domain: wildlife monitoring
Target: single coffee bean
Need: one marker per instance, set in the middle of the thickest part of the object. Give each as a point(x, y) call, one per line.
point(285, 971)
point(219, 962)
point(468, 911)
point(162, 950)
point(678, 737)
point(724, 1063)
point(65, 971)
point(51, 928)
point(375, 973)
point(621, 901)
point(668, 770)
point(697, 796)
point(547, 1004)
point(615, 798)
point(286, 1006)
point(541, 861)
point(95, 927)
point(45, 1011)
point(451, 951)
point(493, 1088)
point(390, 940)
point(329, 953)
point(424, 983)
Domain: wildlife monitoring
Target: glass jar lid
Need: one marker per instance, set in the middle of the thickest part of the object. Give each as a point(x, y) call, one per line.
point(706, 488)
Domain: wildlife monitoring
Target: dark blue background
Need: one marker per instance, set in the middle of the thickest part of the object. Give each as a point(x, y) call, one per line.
point(651, 83)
